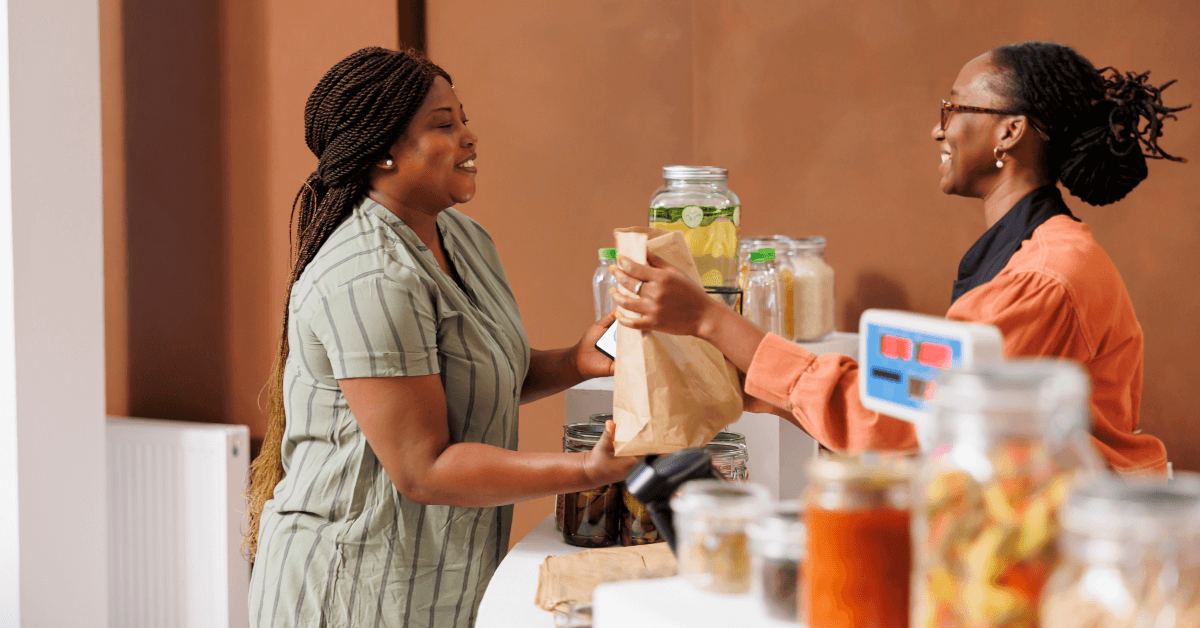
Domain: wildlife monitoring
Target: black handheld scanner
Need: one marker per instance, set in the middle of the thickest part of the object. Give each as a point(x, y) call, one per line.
point(656, 477)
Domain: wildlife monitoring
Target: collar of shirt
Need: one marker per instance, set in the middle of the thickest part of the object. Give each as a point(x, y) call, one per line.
point(991, 252)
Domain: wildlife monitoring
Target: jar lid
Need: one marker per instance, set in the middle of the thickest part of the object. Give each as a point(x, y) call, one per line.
point(726, 450)
point(835, 468)
point(1046, 395)
point(717, 499)
point(765, 254)
point(810, 244)
point(695, 173)
point(608, 253)
point(781, 533)
point(729, 437)
point(1136, 510)
point(600, 418)
point(584, 433)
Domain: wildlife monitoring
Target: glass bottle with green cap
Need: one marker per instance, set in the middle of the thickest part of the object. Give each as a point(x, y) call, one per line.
point(763, 303)
point(602, 280)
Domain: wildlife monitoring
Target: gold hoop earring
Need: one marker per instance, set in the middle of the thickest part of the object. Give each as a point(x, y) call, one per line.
point(999, 157)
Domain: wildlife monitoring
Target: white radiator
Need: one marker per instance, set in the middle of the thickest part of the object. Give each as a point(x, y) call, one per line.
point(175, 508)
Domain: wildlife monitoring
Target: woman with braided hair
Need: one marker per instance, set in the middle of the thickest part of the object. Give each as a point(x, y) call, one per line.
point(383, 493)
point(1021, 118)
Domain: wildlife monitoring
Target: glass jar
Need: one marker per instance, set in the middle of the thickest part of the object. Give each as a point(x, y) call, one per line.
point(783, 259)
point(697, 201)
point(1131, 555)
point(602, 281)
point(777, 548)
point(1004, 444)
point(812, 289)
point(859, 557)
point(730, 459)
point(763, 301)
point(600, 418)
point(589, 518)
point(712, 548)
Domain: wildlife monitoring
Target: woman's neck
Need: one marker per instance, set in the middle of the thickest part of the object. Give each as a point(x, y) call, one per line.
point(1009, 189)
point(423, 223)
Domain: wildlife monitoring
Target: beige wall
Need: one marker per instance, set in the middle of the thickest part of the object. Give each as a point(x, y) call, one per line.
point(822, 112)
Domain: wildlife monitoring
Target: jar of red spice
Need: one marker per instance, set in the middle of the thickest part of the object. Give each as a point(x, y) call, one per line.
point(859, 554)
point(1005, 444)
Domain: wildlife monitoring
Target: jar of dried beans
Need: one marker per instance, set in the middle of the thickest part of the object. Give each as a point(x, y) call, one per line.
point(1005, 443)
point(590, 518)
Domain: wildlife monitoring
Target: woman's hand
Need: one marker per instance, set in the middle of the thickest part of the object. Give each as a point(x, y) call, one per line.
point(587, 359)
point(601, 465)
point(667, 300)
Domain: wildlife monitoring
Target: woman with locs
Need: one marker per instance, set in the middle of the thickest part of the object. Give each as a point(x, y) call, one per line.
point(383, 493)
point(1020, 119)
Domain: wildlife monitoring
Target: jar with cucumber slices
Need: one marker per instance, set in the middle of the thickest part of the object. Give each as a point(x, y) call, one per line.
point(697, 201)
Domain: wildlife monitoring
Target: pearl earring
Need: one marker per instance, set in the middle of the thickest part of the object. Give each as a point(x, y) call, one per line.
point(999, 157)
point(388, 163)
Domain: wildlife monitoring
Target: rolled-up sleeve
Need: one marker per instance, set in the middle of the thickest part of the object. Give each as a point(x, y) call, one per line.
point(822, 393)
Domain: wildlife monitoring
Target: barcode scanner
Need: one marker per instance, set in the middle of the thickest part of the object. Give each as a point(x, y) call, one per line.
point(656, 478)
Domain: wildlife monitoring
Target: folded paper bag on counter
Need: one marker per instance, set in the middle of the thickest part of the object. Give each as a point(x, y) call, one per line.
point(564, 581)
point(670, 392)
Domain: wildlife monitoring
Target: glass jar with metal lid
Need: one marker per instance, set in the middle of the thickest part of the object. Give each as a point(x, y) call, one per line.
point(858, 562)
point(811, 289)
point(777, 548)
point(1004, 445)
point(710, 518)
point(589, 518)
point(697, 201)
point(1130, 555)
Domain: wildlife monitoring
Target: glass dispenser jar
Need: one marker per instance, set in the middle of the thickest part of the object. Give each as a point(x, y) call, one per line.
point(859, 556)
point(811, 290)
point(1131, 555)
point(1004, 445)
point(697, 201)
point(590, 518)
point(711, 517)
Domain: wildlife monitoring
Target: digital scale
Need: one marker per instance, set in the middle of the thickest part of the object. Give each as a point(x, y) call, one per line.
point(901, 354)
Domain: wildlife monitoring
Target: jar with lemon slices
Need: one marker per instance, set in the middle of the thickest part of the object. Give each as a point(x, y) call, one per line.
point(697, 201)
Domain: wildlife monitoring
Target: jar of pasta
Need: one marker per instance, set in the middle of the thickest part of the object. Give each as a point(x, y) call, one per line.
point(590, 518)
point(712, 548)
point(1130, 555)
point(859, 558)
point(697, 201)
point(812, 289)
point(1005, 443)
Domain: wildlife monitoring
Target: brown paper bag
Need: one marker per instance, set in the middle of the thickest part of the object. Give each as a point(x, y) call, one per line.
point(564, 581)
point(670, 392)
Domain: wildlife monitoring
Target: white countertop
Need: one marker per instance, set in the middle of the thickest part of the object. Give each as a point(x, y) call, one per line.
point(660, 603)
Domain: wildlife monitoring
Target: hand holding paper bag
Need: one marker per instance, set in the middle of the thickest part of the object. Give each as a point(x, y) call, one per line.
point(670, 392)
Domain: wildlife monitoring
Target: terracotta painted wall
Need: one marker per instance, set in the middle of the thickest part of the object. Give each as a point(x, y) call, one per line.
point(822, 111)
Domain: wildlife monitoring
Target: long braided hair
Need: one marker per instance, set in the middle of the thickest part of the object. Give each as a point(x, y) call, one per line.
point(1102, 124)
point(356, 113)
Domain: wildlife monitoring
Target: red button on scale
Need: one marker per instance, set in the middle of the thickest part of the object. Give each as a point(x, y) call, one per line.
point(935, 355)
point(894, 347)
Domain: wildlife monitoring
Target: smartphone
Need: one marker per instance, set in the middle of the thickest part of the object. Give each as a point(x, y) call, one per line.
point(607, 344)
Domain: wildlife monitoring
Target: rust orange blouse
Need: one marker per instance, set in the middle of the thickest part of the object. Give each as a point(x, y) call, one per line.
point(1058, 295)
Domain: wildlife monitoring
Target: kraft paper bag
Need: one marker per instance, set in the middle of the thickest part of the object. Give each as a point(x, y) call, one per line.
point(564, 581)
point(670, 392)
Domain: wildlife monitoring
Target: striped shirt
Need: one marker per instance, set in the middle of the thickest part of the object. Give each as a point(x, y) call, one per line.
point(338, 544)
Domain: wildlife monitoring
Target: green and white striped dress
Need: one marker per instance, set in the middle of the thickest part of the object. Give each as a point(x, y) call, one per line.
point(338, 544)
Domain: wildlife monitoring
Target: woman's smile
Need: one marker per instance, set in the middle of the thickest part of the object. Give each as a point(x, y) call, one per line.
point(467, 164)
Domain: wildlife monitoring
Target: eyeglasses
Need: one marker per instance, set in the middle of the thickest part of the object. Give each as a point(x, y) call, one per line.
point(950, 108)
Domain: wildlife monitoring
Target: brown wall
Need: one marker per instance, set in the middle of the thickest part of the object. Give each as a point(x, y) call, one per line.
point(822, 111)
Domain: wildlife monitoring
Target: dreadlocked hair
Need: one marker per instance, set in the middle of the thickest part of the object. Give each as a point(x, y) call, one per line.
point(1102, 124)
point(357, 111)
